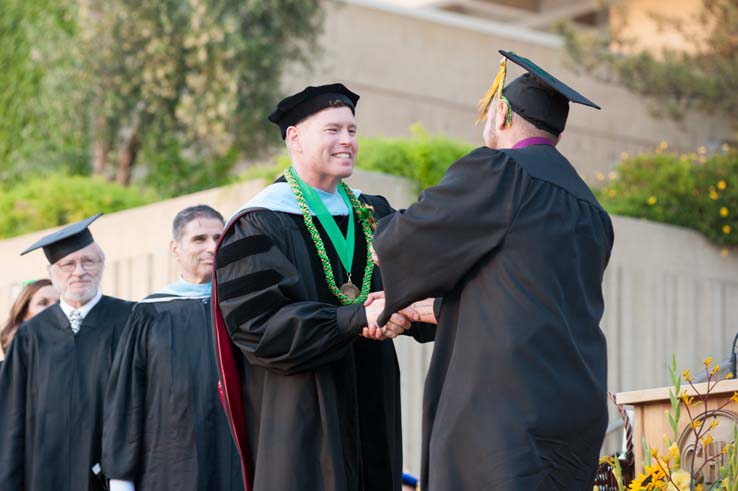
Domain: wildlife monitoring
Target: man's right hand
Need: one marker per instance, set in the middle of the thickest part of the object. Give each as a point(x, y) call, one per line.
point(397, 324)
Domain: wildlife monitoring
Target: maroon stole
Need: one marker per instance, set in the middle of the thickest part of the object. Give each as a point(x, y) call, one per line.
point(229, 383)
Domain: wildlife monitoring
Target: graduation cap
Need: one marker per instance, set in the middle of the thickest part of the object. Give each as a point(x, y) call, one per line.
point(293, 109)
point(537, 96)
point(65, 241)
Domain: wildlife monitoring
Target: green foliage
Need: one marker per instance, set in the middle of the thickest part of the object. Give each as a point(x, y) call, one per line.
point(729, 469)
point(674, 391)
point(702, 76)
point(266, 172)
point(35, 130)
point(204, 72)
point(104, 86)
point(695, 191)
point(172, 174)
point(58, 199)
point(423, 159)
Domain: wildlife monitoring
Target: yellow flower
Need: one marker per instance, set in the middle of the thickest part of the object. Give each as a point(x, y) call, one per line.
point(637, 483)
point(698, 487)
point(687, 376)
point(674, 451)
point(655, 470)
point(681, 480)
point(612, 193)
point(715, 370)
point(707, 362)
point(707, 440)
point(714, 424)
point(723, 212)
point(730, 374)
point(651, 200)
point(696, 424)
point(721, 185)
point(734, 398)
point(607, 459)
point(726, 229)
point(713, 194)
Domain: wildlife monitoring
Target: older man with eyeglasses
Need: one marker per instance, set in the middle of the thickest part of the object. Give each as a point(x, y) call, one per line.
point(53, 380)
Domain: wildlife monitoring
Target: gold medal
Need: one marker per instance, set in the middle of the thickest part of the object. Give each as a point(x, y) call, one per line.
point(350, 290)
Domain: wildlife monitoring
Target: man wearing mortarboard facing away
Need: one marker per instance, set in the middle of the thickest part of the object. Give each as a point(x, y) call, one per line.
point(516, 245)
point(314, 404)
point(53, 380)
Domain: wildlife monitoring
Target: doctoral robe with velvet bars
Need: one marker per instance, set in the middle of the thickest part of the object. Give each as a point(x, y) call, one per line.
point(516, 245)
point(52, 386)
point(321, 404)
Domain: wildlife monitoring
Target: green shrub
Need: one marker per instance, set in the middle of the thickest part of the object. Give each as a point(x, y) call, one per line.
point(423, 159)
point(172, 174)
point(39, 203)
point(695, 191)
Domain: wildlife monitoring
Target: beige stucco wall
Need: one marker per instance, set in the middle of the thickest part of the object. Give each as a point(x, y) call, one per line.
point(638, 19)
point(419, 65)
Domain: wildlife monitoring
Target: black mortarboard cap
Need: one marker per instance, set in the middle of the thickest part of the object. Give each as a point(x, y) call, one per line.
point(539, 97)
point(293, 109)
point(66, 240)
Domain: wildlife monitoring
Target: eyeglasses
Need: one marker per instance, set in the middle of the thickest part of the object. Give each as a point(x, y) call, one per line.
point(89, 265)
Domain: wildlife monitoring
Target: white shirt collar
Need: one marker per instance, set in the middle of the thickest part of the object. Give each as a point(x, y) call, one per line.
point(85, 309)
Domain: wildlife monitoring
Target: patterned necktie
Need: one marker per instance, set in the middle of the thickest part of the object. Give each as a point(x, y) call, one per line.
point(75, 320)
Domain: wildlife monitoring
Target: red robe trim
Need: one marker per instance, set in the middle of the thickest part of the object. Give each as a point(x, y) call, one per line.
point(229, 385)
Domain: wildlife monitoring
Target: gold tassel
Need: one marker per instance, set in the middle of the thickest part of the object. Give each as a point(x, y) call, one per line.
point(495, 89)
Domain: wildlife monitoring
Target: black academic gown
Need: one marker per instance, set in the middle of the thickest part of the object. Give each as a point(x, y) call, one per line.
point(321, 404)
point(51, 398)
point(164, 424)
point(516, 244)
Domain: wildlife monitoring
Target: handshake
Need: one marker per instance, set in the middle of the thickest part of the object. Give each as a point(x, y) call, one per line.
point(421, 311)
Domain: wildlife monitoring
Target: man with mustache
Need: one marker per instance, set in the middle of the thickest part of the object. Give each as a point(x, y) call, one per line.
point(54, 376)
point(164, 425)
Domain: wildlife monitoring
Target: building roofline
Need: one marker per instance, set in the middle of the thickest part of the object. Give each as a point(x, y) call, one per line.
point(466, 22)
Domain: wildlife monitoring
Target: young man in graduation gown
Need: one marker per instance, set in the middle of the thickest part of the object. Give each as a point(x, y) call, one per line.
point(164, 426)
point(53, 380)
point(314, 405)
point(516, 245)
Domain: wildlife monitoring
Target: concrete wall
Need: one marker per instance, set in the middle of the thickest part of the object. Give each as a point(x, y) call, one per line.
point(640, 25)
point(667, 289)
point(420, 65)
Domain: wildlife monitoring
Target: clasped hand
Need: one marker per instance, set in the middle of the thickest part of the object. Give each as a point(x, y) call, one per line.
point(421, 311)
